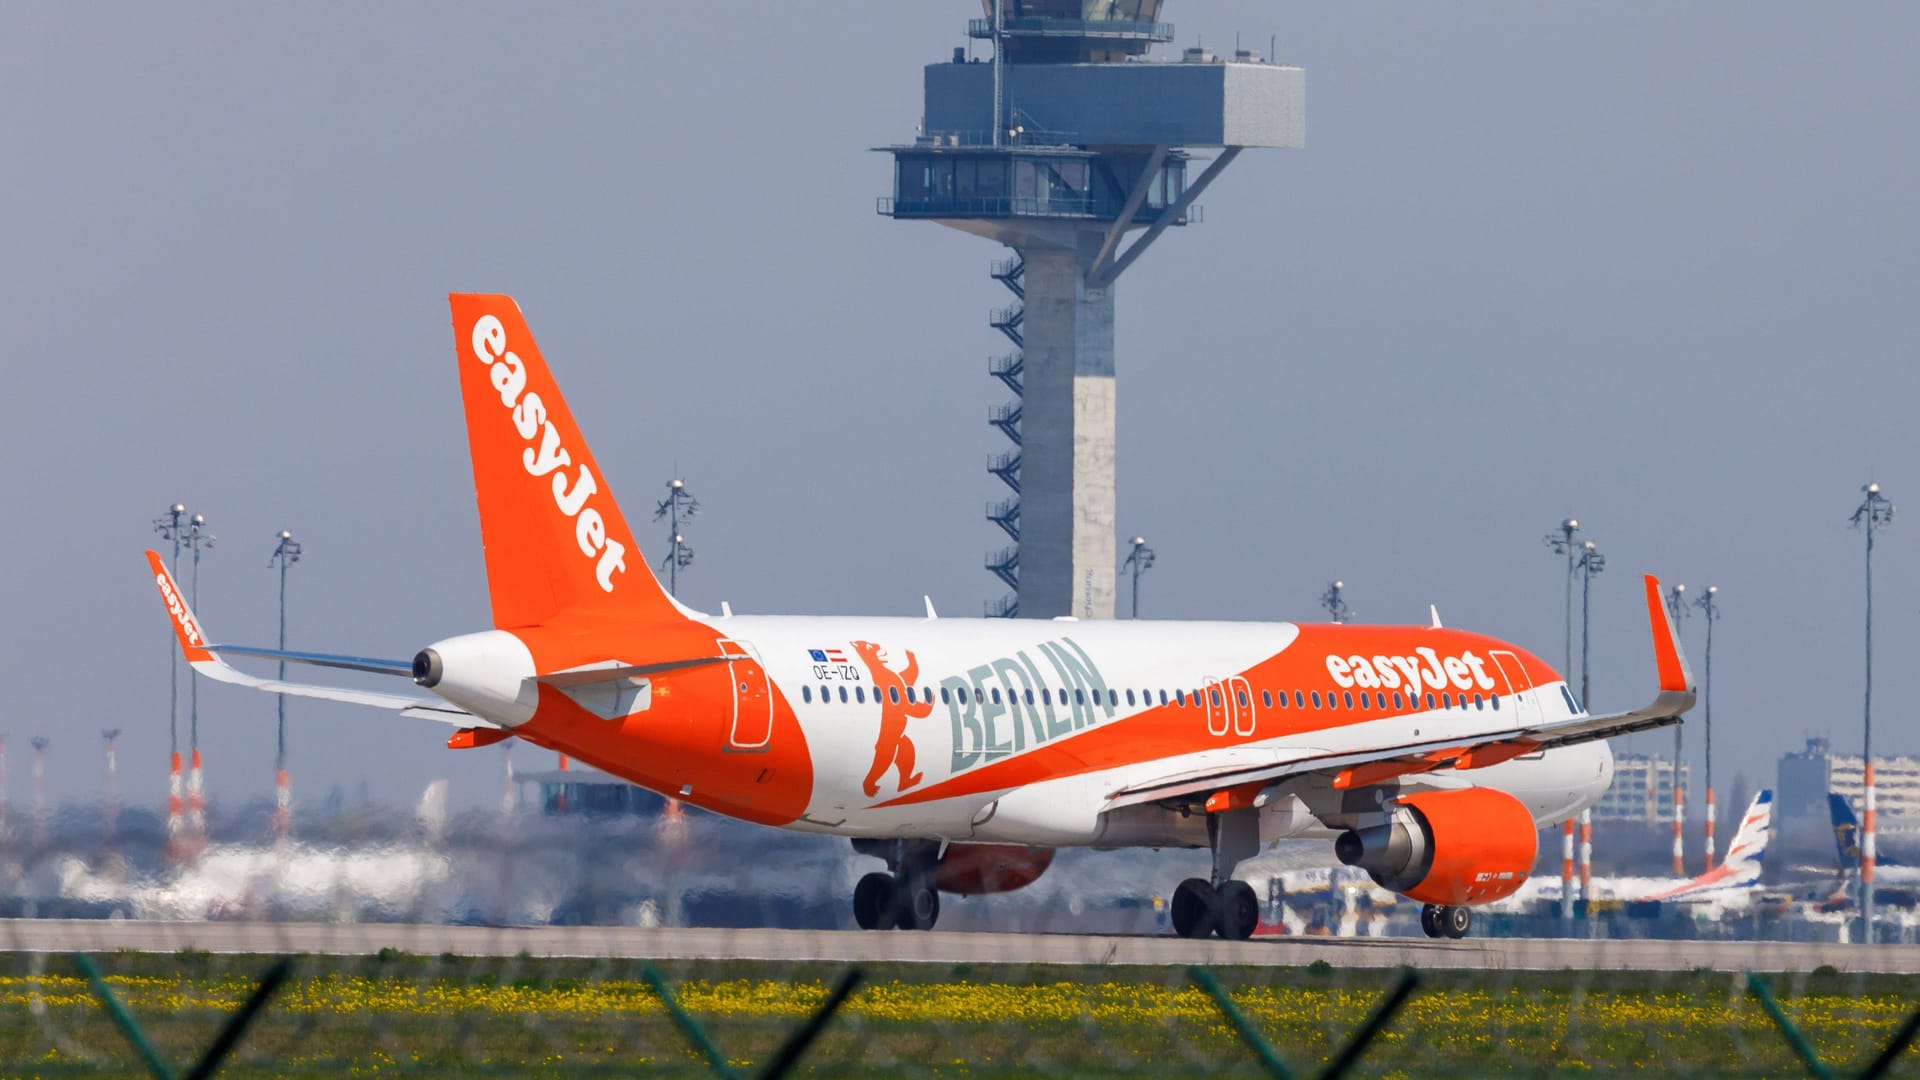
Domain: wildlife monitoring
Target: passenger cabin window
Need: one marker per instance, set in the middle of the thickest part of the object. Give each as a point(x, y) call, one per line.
point(996, 695)
point(806, 694)
point(1429, 699)
point(1477, 703)
point(893, 694)
point(1316, 700)
point(1029, 695)
point(1299, 700)
point(1079, 696)
point(1214, 697)
point(1163, 697)
point(1244, 703)
point(1266, 699)
point(1113, 697)
point(1348, 697)
point(946, 696)
point(1446, 701)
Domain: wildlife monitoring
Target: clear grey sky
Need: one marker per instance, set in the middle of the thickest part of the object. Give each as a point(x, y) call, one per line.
point(1653, 265)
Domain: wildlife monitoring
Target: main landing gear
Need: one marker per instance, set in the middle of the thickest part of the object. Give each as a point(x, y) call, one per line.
point(1221, 905)
point(903, 898)
point(1199, 909)
point(1442, 920)
point(887, 902)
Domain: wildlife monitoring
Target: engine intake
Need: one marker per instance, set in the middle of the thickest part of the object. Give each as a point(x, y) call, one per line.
point(1470, 846)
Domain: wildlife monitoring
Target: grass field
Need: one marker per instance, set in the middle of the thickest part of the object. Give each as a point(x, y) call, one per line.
point(400, 1015)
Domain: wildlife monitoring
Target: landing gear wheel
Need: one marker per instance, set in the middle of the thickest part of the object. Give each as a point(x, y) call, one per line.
point(1455, 921)
point(1430, 919)
point(919, 906)
point(1236, 911)
point(873, 902)
point(1193, 908)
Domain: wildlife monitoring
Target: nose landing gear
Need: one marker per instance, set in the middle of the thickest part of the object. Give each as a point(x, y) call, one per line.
point(1442, 920)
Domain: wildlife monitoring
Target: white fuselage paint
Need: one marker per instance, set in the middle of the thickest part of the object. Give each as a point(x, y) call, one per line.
point(1017, 655)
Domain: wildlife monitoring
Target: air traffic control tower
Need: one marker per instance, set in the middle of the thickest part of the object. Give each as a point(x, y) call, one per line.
point(1066, 140)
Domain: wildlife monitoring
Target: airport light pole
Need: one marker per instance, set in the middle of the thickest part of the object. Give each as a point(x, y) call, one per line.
point(285, 554)
point(172, 527)
point(1591, 563)
point(678, 506)
point(1874, 514)
point(1677, 607)
point(1561, 541)
point(1139, 560)
point(197, 539)
point(1335, 603)
point(1709, 605)
point(112, 735)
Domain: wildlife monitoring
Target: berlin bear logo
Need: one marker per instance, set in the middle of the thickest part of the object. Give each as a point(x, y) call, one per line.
point(892, 690)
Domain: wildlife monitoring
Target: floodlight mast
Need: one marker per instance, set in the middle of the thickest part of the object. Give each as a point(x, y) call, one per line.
point(197, 538)
point(1709, 605)
point(285, 553)
point(1139, 560)
point(1335, 603)
point(171, 527)
point(1677, 608)
point(677, 507)
point(1591, 563)
point(1561, 541)
point(1874, 514)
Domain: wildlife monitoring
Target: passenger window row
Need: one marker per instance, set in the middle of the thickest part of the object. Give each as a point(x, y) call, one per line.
point(1369, 700)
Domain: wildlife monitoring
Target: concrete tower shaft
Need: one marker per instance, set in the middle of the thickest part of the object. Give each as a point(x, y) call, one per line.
point(1065, 142)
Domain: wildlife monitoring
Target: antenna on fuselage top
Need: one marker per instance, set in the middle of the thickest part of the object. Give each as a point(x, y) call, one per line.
point(1336, 604)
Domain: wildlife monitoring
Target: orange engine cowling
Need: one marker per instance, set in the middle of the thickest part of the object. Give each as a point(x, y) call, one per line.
point(1471, 846)
point(975, 869)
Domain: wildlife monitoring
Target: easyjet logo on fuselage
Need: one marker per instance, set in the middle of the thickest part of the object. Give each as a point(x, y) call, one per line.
point(544, 454)
point(1426, 668)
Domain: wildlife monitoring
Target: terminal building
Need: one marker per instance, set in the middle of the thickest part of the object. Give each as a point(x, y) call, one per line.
point(1642, 790)
point(1803, 828)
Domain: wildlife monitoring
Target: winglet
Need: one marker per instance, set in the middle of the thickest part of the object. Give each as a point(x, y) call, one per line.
point(185, 627)
point(1675, 675)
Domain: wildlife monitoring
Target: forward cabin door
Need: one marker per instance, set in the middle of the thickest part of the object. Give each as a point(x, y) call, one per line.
point(1520, 696)
point(752, 728)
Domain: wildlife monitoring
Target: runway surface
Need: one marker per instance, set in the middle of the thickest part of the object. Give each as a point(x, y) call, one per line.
point(844, 946)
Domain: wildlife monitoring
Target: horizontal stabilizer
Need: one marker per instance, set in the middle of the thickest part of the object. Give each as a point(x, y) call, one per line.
point(349, 663)
point(205, 660)
point(615, 671)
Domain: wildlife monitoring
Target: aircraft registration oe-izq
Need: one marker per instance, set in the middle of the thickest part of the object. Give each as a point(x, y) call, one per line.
point(964, 751)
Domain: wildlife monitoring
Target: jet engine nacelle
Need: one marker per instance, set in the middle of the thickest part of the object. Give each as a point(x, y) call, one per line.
point(489, 674)
point(1471, 846)
point(977, 869)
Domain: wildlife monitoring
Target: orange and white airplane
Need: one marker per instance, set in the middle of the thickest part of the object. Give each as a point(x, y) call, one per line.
point(963, 751)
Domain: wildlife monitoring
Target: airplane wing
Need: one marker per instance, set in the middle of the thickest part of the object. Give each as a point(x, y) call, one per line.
point(205, 659)
point(1245, 768)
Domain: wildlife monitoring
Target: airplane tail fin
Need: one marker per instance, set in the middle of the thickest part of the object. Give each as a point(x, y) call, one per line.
point(555, 539)
point(1750, 840)
point(1846, 831)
